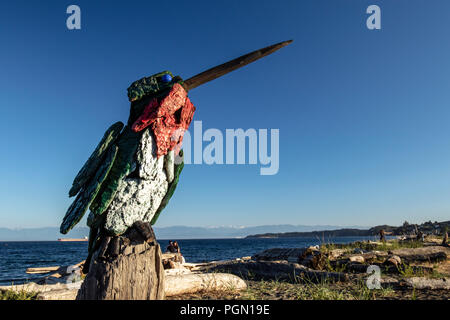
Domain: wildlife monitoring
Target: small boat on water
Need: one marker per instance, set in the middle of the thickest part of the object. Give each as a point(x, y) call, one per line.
point(72, 240)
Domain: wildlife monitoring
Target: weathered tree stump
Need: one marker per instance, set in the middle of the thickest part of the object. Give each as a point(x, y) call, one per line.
point(127, 267)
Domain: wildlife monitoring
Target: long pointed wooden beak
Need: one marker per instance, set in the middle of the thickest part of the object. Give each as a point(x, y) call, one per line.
point(232, 65)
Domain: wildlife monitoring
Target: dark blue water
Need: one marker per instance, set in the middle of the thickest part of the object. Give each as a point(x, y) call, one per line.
point(16, 257)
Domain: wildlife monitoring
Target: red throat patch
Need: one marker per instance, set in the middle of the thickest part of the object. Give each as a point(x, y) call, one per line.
point(169, 119)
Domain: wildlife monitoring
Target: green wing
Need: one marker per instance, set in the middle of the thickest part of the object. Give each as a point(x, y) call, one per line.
point(88, 193)
point(128, 144)
point(94, 161)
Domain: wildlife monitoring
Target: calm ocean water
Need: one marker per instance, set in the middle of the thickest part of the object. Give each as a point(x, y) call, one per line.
point(16, 257)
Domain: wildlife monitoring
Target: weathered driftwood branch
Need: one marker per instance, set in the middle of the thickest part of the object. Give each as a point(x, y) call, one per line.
point(174, 285)
point(423, 283)
point(60, 270)
point(425, 254)
point(58, 295)
point(34, 287)
point(42, 270)
point(192, 283)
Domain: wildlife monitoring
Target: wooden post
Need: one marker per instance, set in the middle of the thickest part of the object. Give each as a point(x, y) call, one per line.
point(127, 267)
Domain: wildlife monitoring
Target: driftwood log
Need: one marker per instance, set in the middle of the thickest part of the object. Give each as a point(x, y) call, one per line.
point(174, 285)
point(424, 283)
point(200, 282)
point(276, 254)
point(127, 267)
point(34, 287)
point(69, 294)
point(278, 270)
point(425, 254)
point(58, 272)
point(41, 270)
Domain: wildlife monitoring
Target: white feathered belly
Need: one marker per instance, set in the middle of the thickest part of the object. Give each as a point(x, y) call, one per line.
point(139, 195)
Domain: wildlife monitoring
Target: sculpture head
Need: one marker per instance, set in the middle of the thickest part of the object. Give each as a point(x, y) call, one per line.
point(151, 86)
point(142, 91)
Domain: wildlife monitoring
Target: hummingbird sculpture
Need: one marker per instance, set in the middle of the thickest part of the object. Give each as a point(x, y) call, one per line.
point(132, 174)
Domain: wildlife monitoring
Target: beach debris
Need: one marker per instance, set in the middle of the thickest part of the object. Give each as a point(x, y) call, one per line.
point(173, 256)
point(169, 265)
point(177, 282)
point(63, 294)
point(356, 259)
point(40, 270)
point(387, 281)
point(58, 271)
point(393, 260)
point(423, 254)
point(336, 253)
point(359, 251)
point(186, 278)
point(379, 253)
point(35, 287)
point(313, 258)
point(278, 270)
point(173, 265)
point(425, 283)
point(177, 271)
point(275, 254)
point(370, 257)
point(192, 283)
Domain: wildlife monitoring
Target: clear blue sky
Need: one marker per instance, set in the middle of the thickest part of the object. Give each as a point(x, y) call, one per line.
point(363, 115)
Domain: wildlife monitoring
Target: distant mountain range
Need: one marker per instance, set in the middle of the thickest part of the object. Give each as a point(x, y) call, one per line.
point(175, 232)
point(183, 232)
point(406, 229)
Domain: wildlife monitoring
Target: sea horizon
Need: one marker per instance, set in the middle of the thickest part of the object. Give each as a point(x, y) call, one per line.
point(17, 256)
